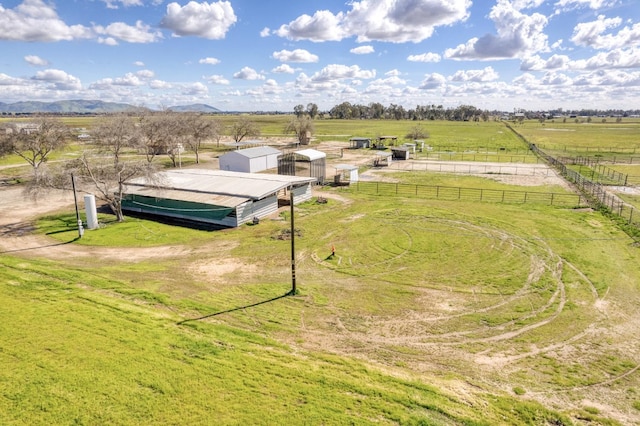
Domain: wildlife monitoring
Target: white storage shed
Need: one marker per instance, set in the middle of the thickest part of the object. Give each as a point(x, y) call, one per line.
point(347, 173)
point(250, 160)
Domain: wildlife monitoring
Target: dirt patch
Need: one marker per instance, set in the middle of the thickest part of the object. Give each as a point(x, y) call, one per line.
point(218, 270)
point(519, 175)
point(17, 225)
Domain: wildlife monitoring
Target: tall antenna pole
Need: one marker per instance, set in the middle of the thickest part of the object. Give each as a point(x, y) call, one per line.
point(293, 246)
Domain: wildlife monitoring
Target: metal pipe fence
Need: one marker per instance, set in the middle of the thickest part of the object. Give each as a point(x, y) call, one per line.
point(596, 150)
point(478, 156)
point(595, 191)
point(479, 168)
point(467, 194)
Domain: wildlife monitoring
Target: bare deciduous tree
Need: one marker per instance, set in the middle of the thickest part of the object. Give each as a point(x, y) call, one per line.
point(34, 142)
point(108, 170)
point(153, 133)
point(243, 128)
point(302, 127)
point(198, 129)
point(417, 132)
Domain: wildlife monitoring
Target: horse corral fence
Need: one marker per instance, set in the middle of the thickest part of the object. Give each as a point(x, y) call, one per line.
point(471, 168)
point(595, 191)
point(451, 193)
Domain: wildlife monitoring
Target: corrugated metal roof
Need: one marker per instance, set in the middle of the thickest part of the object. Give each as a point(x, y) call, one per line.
point(258, 151)
point(311, 154)
point(222, 182)
point(181, 195)
point(383, 153)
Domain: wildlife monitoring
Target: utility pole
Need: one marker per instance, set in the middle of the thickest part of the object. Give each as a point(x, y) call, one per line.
point(293, 246)
point(75, 199)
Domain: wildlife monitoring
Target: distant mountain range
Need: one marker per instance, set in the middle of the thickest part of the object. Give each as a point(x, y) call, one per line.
point(195, 108)
point(89, 107)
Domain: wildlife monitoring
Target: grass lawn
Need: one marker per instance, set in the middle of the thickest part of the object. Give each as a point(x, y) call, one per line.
point(413, 320)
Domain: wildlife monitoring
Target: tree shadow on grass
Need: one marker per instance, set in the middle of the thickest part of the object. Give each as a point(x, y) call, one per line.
point(21, 229)
point(40, 247)
point(239, 308)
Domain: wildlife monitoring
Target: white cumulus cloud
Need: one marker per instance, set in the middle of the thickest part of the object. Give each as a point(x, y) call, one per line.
point(209, 61)
point(217, 79)
point(536, 63)
point(297, 55)
point(36, 61)
point(395, 21)
point(338, 72)
point(362, 50)
point(59, 79)
point(206, 20)
point(592, 34)
point(518, 35)
point(115, 4)
point(195, 89)
point(283, 69)
point(248, 73)
point(322, 26)
point(140, 33)
point(433, 81)
point(425, 57)
point(35, 20)
point(483, 75)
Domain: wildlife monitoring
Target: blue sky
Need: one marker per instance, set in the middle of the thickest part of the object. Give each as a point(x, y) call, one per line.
point(251, 55)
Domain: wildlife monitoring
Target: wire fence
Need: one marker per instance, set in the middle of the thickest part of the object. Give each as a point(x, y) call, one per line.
point(469, 168)
point(495, 157)
point(595, 191)
point(601, 151)
point(608, 159)
point(451, 193)
point(597, 172)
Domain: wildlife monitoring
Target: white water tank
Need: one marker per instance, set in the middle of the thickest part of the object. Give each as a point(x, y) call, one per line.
point(90, 209)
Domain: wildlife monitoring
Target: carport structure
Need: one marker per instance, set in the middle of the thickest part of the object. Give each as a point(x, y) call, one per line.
point(307, 162)
point(359, 142)
point(382, 158)
point(215, 197)
point(346, 173)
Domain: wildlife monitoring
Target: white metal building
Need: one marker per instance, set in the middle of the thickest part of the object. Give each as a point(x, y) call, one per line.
point(346, 173)
point(250, 160)
point(216, 197)
point(357, 142)
point(382, 158)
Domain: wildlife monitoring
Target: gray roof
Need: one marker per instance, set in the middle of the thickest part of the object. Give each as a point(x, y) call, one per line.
point(311, 154)
point(220, 183)
point(182, 195)
point(258, 151)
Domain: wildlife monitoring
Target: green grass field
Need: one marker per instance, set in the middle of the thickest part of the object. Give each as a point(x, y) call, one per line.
point(426, 313)
point(588, 139)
